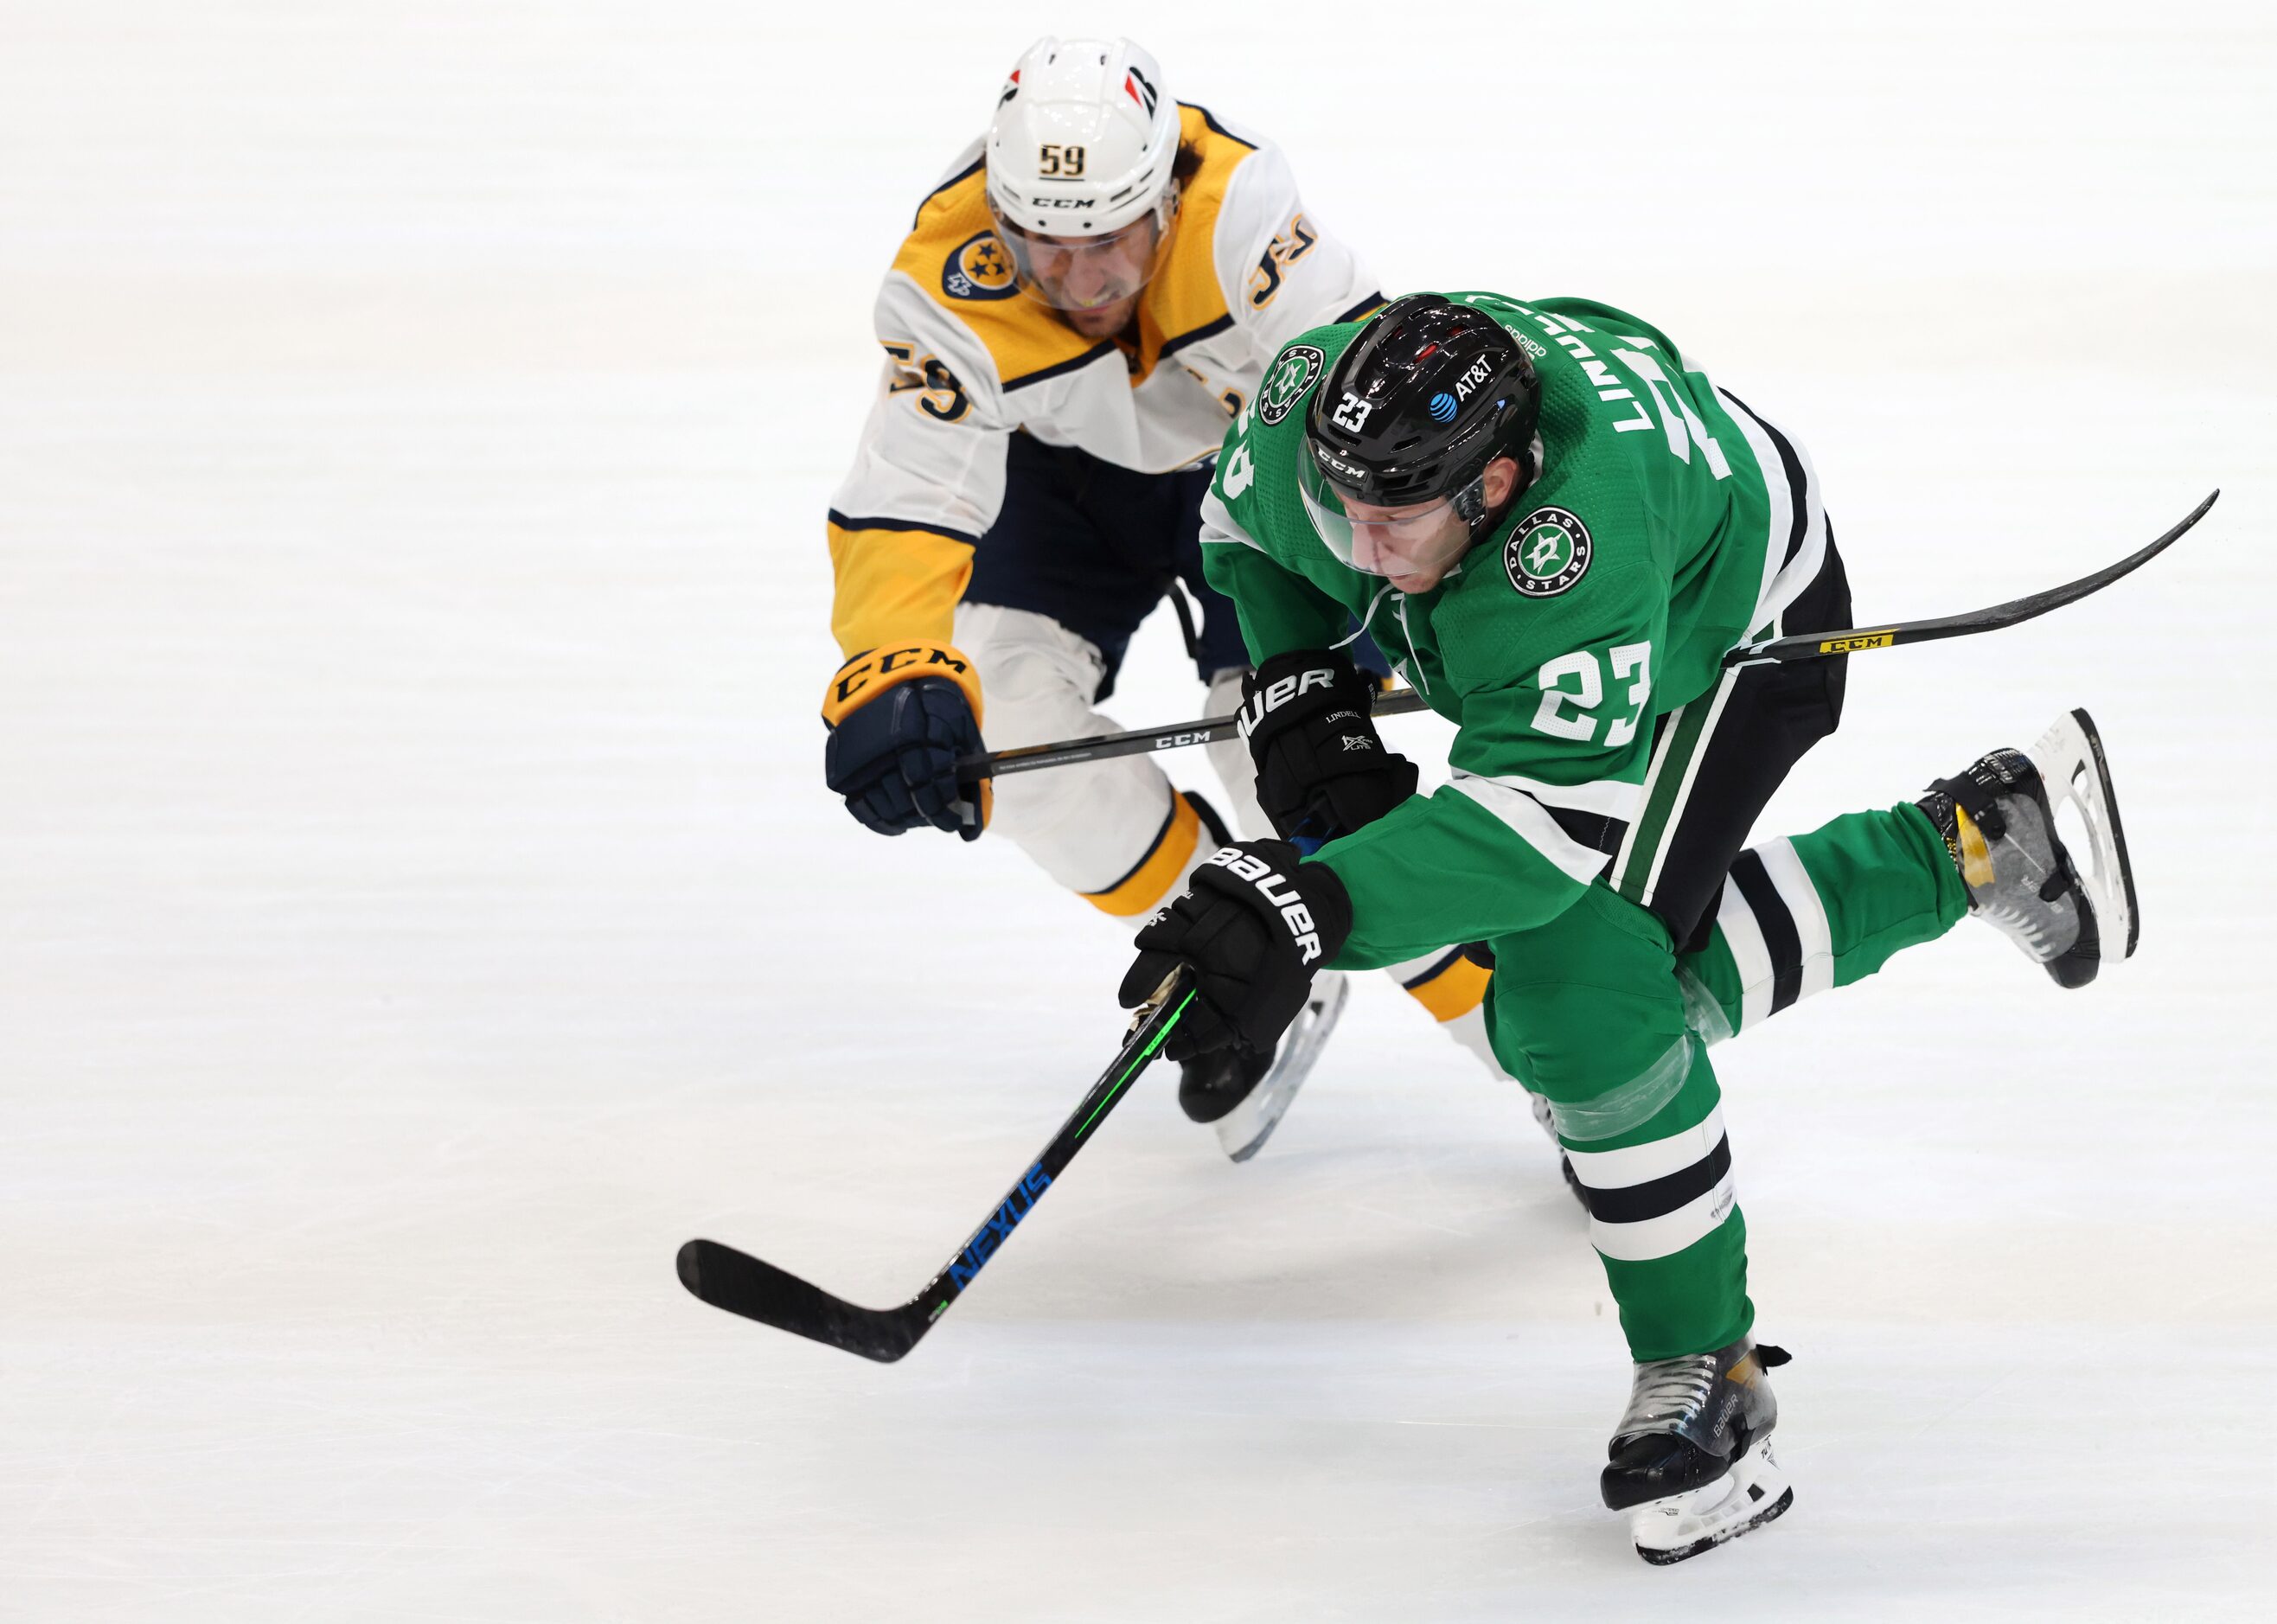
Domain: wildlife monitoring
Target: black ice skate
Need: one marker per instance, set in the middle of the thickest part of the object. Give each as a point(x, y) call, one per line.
point(1244, 1095)
point(1999, 822)
point(1691, 1461)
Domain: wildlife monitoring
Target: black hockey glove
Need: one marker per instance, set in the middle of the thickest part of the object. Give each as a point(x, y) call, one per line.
point(1321, 769)
point(1253, 927)
point(895, 741)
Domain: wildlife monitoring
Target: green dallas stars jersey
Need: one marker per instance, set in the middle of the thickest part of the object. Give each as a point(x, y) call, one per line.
point(1605, 600)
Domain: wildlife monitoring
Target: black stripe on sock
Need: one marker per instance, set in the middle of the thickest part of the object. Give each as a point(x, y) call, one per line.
point(1781, 938)
point(1658, 1197)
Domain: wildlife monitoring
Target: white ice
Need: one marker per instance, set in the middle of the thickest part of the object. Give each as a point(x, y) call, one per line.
point(420, 908)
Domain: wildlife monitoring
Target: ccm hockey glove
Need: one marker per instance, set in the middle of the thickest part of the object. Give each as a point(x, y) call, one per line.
point(899, 719)
point(1254, 925)
point(1322, 770)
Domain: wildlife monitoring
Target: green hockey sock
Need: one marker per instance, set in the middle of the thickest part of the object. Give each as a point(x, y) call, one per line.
point(1821, 910)
point(1665, 1219)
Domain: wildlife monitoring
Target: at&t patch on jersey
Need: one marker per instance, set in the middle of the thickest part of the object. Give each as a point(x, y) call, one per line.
point(1295, 373)
point(979, 269)
point(1547, 552)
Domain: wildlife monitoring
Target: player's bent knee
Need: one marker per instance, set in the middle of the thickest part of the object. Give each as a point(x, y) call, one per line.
point(1627, 1104)
point(1606, 1060)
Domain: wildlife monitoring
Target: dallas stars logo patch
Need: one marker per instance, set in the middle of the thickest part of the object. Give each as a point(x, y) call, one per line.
point(1547, 552)
point(1285, 384)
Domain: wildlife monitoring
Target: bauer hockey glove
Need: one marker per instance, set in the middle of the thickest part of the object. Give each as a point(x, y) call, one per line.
point(899, 719)
point(1321, 769)
point(1254, 925)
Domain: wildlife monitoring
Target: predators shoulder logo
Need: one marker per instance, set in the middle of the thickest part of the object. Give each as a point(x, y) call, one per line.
point(979, 269)
point(1548, 551)
point(1286, 384)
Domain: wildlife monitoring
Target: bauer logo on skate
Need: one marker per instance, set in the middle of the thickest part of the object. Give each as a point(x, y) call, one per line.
point(1275, 887)
point(1000, 1224)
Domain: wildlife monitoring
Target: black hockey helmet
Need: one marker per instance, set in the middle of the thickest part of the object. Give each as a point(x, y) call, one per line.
point(1418, 405)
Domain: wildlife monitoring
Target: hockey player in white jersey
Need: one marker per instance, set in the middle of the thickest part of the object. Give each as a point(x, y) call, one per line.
point(1081, 306)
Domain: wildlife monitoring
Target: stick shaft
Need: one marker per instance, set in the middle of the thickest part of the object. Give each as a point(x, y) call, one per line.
point(1809, 645)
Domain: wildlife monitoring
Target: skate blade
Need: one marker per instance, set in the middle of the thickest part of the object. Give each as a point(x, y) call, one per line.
point(1243, 1131)
point(1678, 1527)
point(2072, 768)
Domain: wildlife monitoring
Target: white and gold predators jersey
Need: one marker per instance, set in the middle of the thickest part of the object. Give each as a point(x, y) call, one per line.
point(970, 358)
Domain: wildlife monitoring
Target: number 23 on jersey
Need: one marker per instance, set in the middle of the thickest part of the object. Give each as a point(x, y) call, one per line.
point(1574, 685)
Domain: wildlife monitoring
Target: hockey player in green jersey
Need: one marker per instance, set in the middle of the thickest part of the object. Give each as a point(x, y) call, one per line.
point(1557, 527)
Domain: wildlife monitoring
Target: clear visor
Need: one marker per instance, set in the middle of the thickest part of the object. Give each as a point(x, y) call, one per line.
point(1083, 273)
point(1422, 538)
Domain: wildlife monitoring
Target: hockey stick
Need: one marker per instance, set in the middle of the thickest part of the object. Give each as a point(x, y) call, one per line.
point(1819, 645)
point(1808, 645)
point(744, 1284)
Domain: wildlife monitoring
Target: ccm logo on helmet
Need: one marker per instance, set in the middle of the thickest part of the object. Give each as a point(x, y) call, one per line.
point(1279, 694)
point(1276, 889)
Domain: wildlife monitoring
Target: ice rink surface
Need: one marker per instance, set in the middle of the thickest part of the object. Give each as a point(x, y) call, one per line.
point(419, 909)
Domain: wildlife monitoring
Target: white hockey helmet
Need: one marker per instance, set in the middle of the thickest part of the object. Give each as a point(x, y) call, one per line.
point(1081, 154)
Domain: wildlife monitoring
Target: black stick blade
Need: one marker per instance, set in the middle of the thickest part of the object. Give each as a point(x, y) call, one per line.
point(744, 1284)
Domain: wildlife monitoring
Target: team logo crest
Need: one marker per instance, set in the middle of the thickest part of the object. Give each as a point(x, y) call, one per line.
point(1294, 374)
point(1547, 552)
point(979, 269)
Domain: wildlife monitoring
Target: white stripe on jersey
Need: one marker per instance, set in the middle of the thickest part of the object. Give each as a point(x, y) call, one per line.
point(1783, 582)
point(1604, 796)
point(1220, 525)
point(1531, 822)
point(1700, 746)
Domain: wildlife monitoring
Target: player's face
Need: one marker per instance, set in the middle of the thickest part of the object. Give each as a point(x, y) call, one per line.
point(1092, 282)
point(1413, 547)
